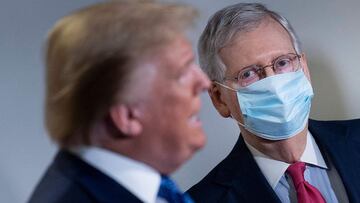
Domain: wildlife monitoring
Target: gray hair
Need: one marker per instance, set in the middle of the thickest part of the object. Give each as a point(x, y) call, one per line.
point(228, 22)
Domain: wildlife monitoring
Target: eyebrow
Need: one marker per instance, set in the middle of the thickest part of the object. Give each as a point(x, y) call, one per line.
point(186, 65)
point(272, 62)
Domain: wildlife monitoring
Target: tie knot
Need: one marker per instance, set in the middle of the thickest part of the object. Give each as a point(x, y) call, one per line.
point(305, 192)
point(296, 171)
point(168, 185)
point(169, 191)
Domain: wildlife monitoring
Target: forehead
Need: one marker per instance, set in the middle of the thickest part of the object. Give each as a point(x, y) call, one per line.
point(258, 46)
point(164, 63)
point(175, 55)
point(154, 68)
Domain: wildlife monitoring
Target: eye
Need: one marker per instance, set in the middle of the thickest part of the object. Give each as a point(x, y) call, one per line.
point(186, 73)
point(283, 64)
point(247, 73)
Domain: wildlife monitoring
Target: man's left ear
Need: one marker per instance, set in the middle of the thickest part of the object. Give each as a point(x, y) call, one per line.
point(126, 120)
point(304, 66)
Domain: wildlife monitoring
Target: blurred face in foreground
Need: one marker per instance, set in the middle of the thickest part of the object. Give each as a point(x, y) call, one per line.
point(169, 86)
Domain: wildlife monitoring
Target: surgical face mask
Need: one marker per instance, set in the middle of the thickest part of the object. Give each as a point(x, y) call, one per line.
point(276, 107)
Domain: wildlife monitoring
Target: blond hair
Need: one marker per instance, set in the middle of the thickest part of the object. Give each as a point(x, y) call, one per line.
point(89, 57)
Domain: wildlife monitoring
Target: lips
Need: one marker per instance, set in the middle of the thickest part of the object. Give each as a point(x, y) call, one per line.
point(194, 120)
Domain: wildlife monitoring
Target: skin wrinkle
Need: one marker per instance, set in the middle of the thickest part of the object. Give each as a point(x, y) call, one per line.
point(255, 47)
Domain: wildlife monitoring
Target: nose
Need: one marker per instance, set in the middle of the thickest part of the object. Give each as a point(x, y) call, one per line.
point(268, 71)
point(203, 82)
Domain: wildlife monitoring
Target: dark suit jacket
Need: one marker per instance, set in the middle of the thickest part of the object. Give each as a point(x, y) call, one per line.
point(239, 179)
point(69, 179)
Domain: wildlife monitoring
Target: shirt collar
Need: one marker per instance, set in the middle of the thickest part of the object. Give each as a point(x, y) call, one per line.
point(273, 170)
point(129, 173)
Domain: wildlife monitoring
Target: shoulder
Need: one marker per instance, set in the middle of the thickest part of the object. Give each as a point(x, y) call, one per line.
point(353, 123)
point(215, 186)
point(56, 187)
point(69, 193)
point(336, 128)
point(60, 183)
point(236, 171)
point(208, 190)
point(69, 179)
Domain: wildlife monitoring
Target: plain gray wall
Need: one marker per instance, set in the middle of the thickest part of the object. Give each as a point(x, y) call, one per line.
point(329, 31)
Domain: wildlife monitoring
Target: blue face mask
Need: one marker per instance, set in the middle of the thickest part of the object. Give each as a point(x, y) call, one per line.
point(276, 107)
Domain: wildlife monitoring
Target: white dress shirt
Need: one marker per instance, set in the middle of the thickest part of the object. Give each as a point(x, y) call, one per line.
point(137, 177)
point(315, 173)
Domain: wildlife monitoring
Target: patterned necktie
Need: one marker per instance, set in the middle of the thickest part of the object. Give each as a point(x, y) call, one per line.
point(305, 192)
point(170, 192)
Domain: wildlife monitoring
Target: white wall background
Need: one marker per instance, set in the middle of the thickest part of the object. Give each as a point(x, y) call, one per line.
point(329, 31)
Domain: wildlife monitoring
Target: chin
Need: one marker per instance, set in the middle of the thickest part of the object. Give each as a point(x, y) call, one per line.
point(174, 165)
point(200, 142)
point(190, 152)
point(194, 148)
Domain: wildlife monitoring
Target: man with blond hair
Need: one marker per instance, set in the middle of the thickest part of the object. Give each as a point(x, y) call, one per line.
point(122, 103)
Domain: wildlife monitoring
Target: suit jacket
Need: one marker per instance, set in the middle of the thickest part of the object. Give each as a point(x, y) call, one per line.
point(69, 179)
point(239, 179)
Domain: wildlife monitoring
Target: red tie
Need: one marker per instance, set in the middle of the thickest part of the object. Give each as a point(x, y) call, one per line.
point(305, 192)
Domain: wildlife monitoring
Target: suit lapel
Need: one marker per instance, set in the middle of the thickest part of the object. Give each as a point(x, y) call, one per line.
point(341, 146)
point(243, 178)
point(101, 187)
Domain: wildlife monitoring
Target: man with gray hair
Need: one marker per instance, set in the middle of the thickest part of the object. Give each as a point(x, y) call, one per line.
point(122, 103)
point(262, 81)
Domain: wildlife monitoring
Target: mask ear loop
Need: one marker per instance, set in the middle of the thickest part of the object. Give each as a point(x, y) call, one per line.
point(232, 89)
point(238, 122)
point(225, 86)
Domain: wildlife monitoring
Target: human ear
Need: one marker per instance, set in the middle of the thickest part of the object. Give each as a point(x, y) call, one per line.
point(217, 99)
point(126, 120)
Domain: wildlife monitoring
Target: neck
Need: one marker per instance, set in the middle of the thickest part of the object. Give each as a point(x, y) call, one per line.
point(288, 150)
point(133, 147)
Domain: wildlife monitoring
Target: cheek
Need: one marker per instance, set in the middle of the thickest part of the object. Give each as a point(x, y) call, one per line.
point(178, 103)
point(235, 108)
point(177, 107)
point(182, 136)
point(172, 117)
point(186, 143)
